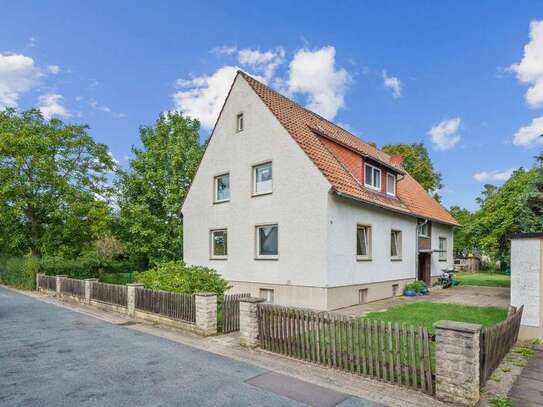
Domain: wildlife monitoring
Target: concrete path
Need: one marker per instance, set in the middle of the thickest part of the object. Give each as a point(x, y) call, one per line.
point(51, 356)
point(527, 391)
point(465, 295)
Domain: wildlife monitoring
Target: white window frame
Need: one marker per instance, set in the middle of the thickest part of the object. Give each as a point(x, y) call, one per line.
point(259, 256)
point(240, 122)
point(216, 188)
point(398, 244)
point(268, 294)
point(419, 226)
point(373, 170)
point(368, 242)
point(442, 254)
point(212, 254)
point(255, 167)
point(393, 193)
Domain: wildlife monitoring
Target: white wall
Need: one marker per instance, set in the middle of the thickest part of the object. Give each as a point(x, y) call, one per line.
point(343, 267)
point(297, 204)
point(441, 230)
point(526, 284)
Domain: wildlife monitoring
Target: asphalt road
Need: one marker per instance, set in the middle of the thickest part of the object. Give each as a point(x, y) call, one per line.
point(51, 356)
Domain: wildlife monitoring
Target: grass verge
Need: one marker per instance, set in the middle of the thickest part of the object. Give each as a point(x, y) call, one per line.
point(484, 279)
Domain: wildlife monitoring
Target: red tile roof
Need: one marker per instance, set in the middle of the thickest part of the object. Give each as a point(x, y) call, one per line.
point(322, 140)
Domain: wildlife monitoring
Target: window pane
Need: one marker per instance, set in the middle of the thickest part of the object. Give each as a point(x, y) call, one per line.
point(362, 241)
point(219, 243)
point(263, 178)
point(391, 184)
point(394, 244)
point(369, 175)
point(240, 122)
point(267, 239)
point(377, 178)
point(223, 187)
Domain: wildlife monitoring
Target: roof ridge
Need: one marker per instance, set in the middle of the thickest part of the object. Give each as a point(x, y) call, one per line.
point(246, 75)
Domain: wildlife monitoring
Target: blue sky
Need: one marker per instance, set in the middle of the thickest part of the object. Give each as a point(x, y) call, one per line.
point(388, 71)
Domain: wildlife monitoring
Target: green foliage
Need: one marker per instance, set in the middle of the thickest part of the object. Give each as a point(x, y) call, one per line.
point(154, 189)
point(19, 272)
point(50, 177)
point(116, 278)
point(87, 266)
point(417, 163)
point(417, 286)
point(462, 235)
point(500, 401)
point(176, 276)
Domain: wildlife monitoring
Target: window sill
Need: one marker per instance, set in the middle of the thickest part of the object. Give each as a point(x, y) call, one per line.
point(218, 258)
point(442, 260)
point(396, 259)
point(221, 202)
point(255, 194)
point(359, 258)
point(372, 187)
point(267, 258)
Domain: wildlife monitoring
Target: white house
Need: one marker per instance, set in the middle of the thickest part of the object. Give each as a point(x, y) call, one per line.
point(289, 206)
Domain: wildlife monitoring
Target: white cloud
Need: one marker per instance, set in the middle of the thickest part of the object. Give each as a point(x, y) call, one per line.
point(314, 74)
point(496, 175)
point(530, 68)
point(18, 74)
point(264, 63)
point(101, 108)
point(529, 135)
point(54, 69)
point(204, 95)
point(392, 83)
point(50, 105)
point(444, 135)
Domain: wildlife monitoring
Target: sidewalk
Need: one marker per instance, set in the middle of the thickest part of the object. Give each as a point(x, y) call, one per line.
point(228, 346)
point(527, 391)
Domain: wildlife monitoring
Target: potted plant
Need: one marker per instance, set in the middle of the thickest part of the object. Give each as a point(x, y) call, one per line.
point(415, 288)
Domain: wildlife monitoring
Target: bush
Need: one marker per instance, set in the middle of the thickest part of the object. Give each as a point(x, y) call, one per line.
point(416, 286)
point(19, 272)
point(176, 276)
point(87, 266)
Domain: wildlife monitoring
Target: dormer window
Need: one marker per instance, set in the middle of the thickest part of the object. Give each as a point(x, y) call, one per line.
point(372, 177)
point(239, 122)
point(391, 184)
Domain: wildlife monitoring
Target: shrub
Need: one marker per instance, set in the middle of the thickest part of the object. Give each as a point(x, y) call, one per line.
point(19, 272)
point(416, 286)
point(178, 277)
point(87, 266)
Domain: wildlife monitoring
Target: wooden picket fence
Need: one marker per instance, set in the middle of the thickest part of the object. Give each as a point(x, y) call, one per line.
point(496, 342)
point(172, 305)
point(229, 310)
point(394, 353)
point(74, 287)
point(109, 293)
point(47, 282)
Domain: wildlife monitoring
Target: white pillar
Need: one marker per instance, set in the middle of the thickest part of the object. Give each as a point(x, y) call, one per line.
point(206, 313)
point(88, 288)
point(131, 298)
point(248, 321)
point(59, 279)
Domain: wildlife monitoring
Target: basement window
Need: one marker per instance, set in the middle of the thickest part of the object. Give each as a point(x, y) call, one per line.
point(267, 294)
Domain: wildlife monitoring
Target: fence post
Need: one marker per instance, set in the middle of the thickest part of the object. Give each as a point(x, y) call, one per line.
point(59, 279)
point(458, 362)
point(248, 321)
point(38, 281)
point(131, 298)
point(88, 288)
point(206, 313)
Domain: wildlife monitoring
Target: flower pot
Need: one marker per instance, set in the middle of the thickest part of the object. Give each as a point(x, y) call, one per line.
point(410, 293)
point(424, 291)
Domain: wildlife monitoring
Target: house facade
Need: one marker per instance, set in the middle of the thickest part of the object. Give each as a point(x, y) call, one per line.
point(288, 206)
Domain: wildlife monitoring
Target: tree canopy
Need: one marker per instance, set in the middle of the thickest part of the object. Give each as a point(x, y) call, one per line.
point(417, 163)
point(54, 193)
point(153, 190)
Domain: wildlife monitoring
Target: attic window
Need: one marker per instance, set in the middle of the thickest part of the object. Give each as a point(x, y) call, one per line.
point(239, 122)
point(391, 184)
point(372, 178)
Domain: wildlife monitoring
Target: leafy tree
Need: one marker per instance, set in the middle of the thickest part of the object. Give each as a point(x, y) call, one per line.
point(417, 163)
point(532, 201)
point(154, 188)
point(53, 185)
point(488, 191)
point(462, 235)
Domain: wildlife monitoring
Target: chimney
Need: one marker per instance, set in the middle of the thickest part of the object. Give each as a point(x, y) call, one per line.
point(396, 159)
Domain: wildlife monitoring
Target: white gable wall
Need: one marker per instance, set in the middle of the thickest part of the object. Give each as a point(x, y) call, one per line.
point(297, 204)
point(441, 230)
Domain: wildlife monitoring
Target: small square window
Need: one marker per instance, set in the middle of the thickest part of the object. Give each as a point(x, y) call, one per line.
point(222, 188)
point(391, 184)
point(239, 122)
point(372, 178)
point(363, 242)
point(363, 296)
point(267, 246)
point(219, 244)
point(442, 248)
point(396, 244)
point(262, 179)
point(267, 294)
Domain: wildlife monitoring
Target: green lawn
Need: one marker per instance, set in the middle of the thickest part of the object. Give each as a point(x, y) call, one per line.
point(426, 313)
point(484, 279)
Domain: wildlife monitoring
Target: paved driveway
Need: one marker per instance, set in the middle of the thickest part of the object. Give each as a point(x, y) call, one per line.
point(51, 356)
